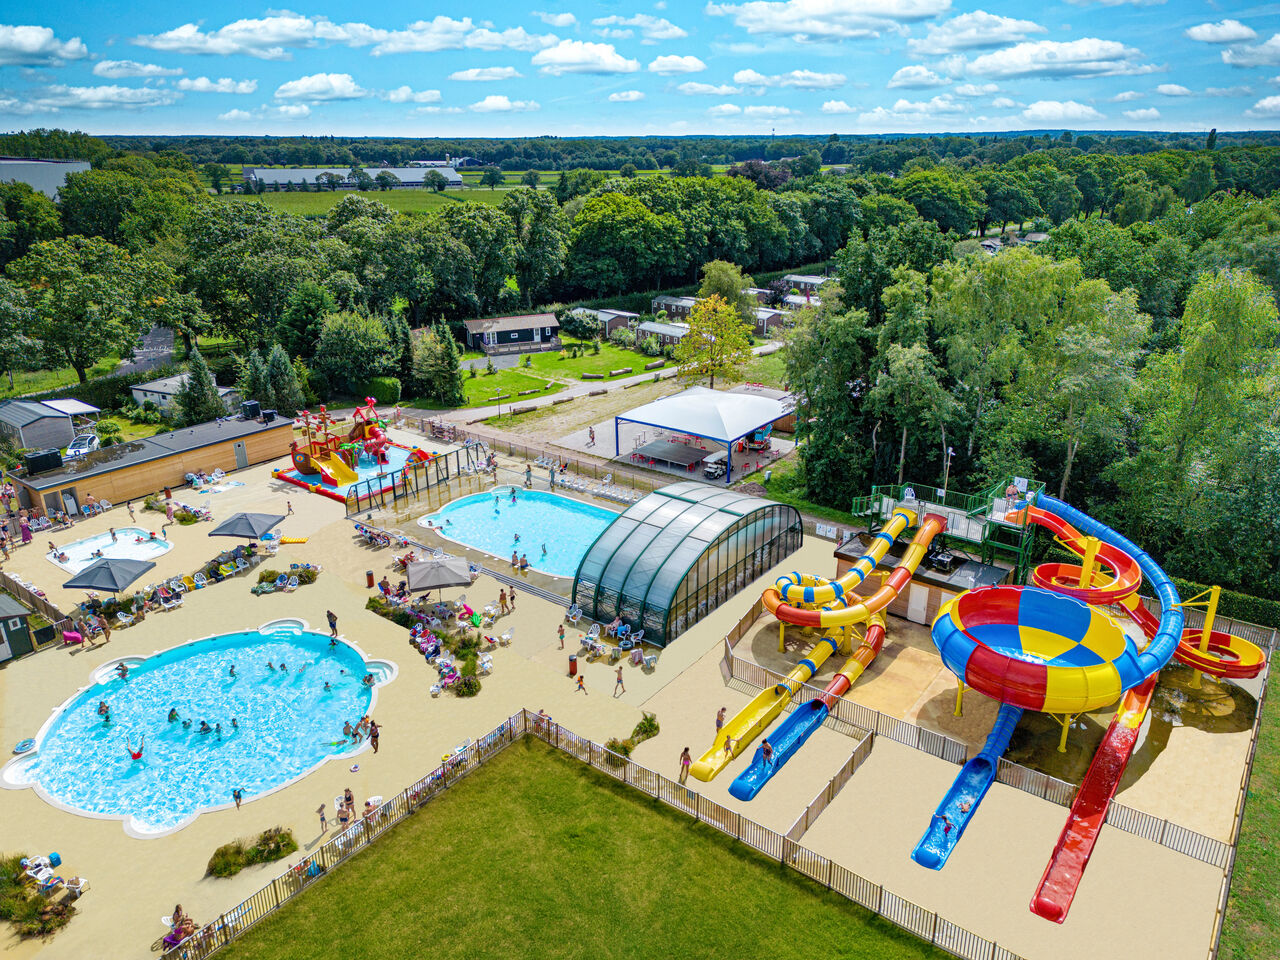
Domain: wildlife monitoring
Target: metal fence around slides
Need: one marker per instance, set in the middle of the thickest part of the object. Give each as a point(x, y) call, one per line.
point(416, 478)
point(910, 916)
point(832, 787)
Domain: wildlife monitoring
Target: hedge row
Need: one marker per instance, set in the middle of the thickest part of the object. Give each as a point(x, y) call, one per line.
point(1231, 603)
point(106, 393)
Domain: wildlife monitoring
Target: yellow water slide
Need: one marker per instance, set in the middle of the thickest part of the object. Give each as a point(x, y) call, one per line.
point(338, 469)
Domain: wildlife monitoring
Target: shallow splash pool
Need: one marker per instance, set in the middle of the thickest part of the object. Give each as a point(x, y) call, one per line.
point(562, 527)
point(286, 724)
point(366, 468)
point(125, 546)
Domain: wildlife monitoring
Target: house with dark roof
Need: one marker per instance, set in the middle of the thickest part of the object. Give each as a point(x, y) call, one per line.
point(15, 630)
point(667, 334)
point(524, 333)
point(164, 392)
point(676, 308)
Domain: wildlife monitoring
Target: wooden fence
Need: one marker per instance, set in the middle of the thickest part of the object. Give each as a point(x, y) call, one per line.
point(23, 592)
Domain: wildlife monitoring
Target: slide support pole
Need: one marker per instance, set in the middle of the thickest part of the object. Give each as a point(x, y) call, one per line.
point(959, 698)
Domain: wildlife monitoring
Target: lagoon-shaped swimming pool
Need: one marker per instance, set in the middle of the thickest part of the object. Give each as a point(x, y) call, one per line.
point(285, 725)
point(130, 543)
point(554, 532)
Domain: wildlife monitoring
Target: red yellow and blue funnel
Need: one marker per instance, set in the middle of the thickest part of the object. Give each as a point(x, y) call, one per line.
point(1036, 649)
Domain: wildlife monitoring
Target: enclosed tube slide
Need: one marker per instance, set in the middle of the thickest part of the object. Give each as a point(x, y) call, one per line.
point(808, 717)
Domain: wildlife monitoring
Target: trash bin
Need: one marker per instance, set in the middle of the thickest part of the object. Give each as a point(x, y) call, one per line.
point(573, 664)
point(368, 579)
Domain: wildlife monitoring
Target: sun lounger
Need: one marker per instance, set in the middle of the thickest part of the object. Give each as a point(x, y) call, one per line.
point(282, 581)
point(593, 633)
point(505, 639)
point(486, 664)
point(573, 615)
point(124, 619)
point(291, 585)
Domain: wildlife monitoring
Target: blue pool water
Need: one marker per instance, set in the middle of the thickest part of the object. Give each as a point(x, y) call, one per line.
point(397, 457)
point(80, 553)
point(288, 724)
point(490, 522)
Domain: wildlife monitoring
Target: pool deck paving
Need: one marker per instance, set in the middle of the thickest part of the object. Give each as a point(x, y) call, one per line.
point(1139, 898)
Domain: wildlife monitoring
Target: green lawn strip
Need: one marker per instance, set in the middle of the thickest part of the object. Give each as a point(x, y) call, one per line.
point(129, 430)
point(610, 357)
point(406, 201)
point(770, 369)
point(783, 486)
point(537, 856)
point(480, 389)
point(1252, 925)
point(38, 381)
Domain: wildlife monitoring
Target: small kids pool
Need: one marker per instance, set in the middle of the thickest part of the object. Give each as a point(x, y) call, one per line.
point(285, 725)
point(126, 545)
point(366, 467)
point(554, 531)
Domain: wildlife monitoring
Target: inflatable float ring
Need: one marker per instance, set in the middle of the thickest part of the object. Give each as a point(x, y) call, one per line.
point(25, 746)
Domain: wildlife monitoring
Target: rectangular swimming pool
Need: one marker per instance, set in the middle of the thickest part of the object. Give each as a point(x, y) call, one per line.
point(129, 543)
point(551, 531)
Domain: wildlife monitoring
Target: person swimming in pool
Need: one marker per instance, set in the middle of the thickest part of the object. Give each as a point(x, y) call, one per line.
point(271, 666)
point(135, 754)
point(234, 724)
point(217, 728)
point(284, 668)
point(327, 688)
point(513, 494)
point(104, 711)
point(173, 714)
point(186, 724)
point(112, 531)
point(232, 672)
point(97, 553)
point(122, 671)
point(204, 727)
point(517, 539)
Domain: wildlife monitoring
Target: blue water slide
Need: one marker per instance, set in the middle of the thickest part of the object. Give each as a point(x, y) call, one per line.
point(786, 740)
point(1162, 646)
point(970, 786)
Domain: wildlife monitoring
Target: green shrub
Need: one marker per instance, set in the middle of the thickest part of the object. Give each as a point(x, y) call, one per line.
point(650, 347)
point(153, 502)
point(270, 845)
point(23, 906)
point(595, 348)
point(396, 615)
point(269, 576)
point(472, 373)
point(528, 360)
point(384, 389)
point(467, 686)
point(185, 518)
point(227, 860)
point(623, 337)
point(318, 385)
point(489, 368)
point(307, 575)
point(646, 728)
point(622, 748)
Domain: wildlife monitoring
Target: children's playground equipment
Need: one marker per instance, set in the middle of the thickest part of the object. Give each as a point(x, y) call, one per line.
point(337, 459)
point(1052, 647)
point(831, 605)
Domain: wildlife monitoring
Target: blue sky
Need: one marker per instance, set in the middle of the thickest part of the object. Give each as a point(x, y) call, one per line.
point(612, 68)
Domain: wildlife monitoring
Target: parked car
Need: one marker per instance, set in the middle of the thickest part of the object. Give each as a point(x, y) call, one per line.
point(85, 443)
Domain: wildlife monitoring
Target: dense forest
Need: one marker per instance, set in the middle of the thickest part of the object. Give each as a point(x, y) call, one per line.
point(1129, 361)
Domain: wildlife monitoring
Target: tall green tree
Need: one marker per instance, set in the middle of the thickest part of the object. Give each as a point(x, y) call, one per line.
point(16, 348)
point(286, 390)
point(299, 327)
point(197, 398)
point(253, 381)
point(716, 344)
point(353, 348)
point(540, 241)
point(437, 373)
point(727, 281)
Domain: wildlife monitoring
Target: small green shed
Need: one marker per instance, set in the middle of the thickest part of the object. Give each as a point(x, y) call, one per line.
point(15, 631)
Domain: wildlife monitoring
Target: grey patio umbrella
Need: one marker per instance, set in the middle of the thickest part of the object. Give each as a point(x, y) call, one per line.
point(435, 573)
point(250, 526)
point(112, 575)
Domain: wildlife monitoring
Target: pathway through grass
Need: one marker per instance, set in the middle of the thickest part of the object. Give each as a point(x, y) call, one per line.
point(537, 856)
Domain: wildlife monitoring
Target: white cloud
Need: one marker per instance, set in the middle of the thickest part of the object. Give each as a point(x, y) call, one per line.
point(972, 31)
point(515, 38)
point(693, 89)
point(1126, 95)
point(424, 36)
point(556, 19)
point(1004, 103)
point(816, 20)
point(498, 103)
point(1267, 107)
point(578, 56)
point(222, 85)
point(268, 38)
point(837, 106)
point(917, 77)
point(407, 94)
point(235, 116)
point(668, 66)
point(37, 47)
point(321, 86)
point(119, 69)
point(287, 111)
point(1258, 55)
point(1087, 57)
point(1227, 91)
point(797, 79)
point(484, 74)
point(1173, 90)
point(1143, 113)
point(975, 89)
point(762, 111)
point(651, 28)
point(1060, 111)
point(430, 111)
point(1224, 31)
point(58, 96)
point(626, 96)
point(725, 110)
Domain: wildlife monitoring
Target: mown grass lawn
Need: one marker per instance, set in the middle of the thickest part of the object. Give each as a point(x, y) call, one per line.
point(37, 381)
point(406, 201)
point(610, 357)
point(1252, 925)
point(537, 856)
point(770, 369)
point(480, 390)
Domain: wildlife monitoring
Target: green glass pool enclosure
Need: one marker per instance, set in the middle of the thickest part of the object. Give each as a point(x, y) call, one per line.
point(680, 552)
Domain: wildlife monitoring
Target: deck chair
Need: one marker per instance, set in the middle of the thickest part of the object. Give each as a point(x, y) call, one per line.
point(282, 581)
point(227, 569)
point(573, 615)
point(593, 633)
point(486, 664)
point(241, 565)
point(505, 639)
point(123, 618)
point(637, 637)
point(190, 583)
point(291, 585)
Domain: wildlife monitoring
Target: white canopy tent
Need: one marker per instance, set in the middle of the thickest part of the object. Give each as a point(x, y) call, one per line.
point(724, 418)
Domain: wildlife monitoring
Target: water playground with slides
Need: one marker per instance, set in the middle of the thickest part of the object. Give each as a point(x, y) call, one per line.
point(1057, 647)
